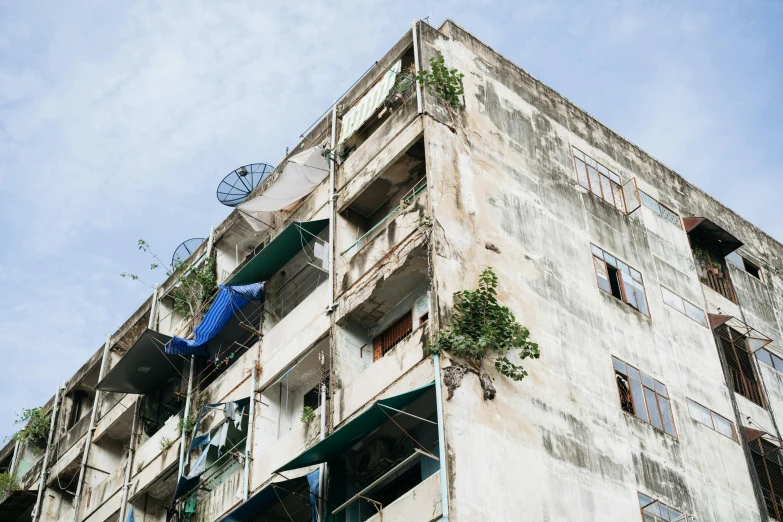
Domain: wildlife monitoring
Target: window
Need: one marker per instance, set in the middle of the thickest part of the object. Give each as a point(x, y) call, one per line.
point(683, 306)
point(712, 420)
point(392, 336)
point(748, 266)
point(710, 244)
point(742, 374)
point(770, 359)
point(656, 511)
point(769, 471)
point(599, 180)
point(663, 211)
point(644, 397)
point(423, 318)
point(620, 280)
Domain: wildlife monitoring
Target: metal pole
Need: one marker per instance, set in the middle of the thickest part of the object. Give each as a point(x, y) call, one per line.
point(153, 309)
point(211, 241)
point(331, 205)
point(88, 439)
point(185, 415)
point(249, 437)
point(418, 68)
point(129, 463)
point(444, 486)
point(42, 479)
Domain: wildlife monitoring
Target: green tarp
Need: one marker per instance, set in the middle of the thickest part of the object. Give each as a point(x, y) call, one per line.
point(278, 252)
point(353, 431)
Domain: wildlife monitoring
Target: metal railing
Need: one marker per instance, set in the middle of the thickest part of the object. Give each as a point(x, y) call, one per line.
point(746, 387)
point(720, 284)
point(291, 294)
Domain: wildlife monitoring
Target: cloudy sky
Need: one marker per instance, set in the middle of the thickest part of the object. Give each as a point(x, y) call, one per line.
point(118, 120)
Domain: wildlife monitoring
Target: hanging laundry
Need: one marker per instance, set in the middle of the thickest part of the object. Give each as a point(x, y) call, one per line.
point(219, 438)
point(229, 410)
point(130, 515)
point(238, 413)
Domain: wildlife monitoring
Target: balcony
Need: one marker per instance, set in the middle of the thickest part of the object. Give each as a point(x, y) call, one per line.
point(710, 245)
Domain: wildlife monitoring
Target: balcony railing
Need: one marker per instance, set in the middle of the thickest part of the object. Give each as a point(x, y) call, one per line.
point(720, 284)
point(774, 504)
point(746, 387)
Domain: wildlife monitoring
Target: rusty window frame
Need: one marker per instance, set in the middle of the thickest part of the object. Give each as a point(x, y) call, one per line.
point(730, 257)
point(757, 449)
point(613, 180)
point(727, 334)
point(658, 397)
point(618, 261)
point(392, 335)
point(645, 501)
point(712, 413)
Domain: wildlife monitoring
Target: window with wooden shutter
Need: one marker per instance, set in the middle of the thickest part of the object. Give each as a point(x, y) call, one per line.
point(392, 336)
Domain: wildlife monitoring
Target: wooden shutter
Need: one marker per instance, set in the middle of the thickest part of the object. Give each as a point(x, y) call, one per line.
point(390, 337)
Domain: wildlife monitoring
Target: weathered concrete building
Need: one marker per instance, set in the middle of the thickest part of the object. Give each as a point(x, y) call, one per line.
point(657, 311)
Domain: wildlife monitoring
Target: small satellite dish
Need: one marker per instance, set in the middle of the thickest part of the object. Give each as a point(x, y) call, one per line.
point(184, 250)
point(237, 186)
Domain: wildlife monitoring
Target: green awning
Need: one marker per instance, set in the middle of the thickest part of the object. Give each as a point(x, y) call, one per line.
point(278, 252)
point(353, 431)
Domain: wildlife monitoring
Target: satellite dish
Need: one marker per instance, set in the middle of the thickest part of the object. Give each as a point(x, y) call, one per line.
point(237, 186)
point(184, 250)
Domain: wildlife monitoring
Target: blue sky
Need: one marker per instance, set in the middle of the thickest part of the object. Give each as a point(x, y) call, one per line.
point(118, 120)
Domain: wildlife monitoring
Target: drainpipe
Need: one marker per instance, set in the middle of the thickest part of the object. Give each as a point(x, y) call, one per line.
point(444, 486)
point(88, 439)
point(249, 439)
point(129, 463)
point(211, 241)
point(418, 68)
point(15, 459)
point(45, 463)
point(185, 414)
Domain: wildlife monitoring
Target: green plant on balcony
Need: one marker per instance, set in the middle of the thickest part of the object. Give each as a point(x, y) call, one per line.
point(36, 423)
point(165, 444)
point(196, 284)
point(8, 484)
point(482, 330)
point(188, 423)
point(308, 414)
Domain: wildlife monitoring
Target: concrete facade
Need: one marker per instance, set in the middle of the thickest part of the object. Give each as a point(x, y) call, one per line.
point(425, 198)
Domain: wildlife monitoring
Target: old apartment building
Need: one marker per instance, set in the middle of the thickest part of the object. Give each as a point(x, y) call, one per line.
point(305, 392)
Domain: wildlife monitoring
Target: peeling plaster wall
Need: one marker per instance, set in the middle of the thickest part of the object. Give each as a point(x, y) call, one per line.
point(505, 176)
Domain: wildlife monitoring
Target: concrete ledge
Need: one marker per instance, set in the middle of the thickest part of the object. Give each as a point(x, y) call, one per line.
point(121, 412)
point(266, 460)
point(380, 375)
point(221, 499)
point(420, 504)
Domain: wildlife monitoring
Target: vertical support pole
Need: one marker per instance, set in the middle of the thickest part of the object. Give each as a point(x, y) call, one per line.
point(419, 103)
point(14, 459)
point(249, 437)
point(210, 241)
point(129, 462)
point(444, 486)
point(42, 480)
point(153, 310)
point(185, 414)
point(88, 439)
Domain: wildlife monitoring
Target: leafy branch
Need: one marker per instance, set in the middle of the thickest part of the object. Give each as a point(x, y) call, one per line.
point(443, 82)
point(484, 329)
point(8, 484)
point(308, 414)
point(36, 423)
point(195, 286)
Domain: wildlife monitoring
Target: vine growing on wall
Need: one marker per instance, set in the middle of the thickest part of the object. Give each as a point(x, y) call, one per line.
point(483, 331)
point(308, 414)
point(195, 286)
point(35, 432)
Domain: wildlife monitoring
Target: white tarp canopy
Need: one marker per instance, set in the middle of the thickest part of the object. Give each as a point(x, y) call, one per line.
point(366, 107)
point(298, 178)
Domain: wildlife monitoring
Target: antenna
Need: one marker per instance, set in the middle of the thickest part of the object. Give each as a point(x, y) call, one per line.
point(184, 250)
point(237, 186)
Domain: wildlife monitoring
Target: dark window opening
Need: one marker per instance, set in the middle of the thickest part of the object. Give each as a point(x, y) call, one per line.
point(392, 336)
point(424, 318)
point(752, 269)
point(312, 399)
point(644, 397)
point(741, 371)
point(157, 407)
point(769, 472)
point(619, 280)
point(80, 403)
point(614, 282)
point(710, 245)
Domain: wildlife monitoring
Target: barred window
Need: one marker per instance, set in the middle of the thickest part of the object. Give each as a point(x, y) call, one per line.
point(392, 335)
point(739, 360)
point(644, 397)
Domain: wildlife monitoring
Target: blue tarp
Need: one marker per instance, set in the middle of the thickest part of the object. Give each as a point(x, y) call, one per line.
point(227, 302)
point(271, 494)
